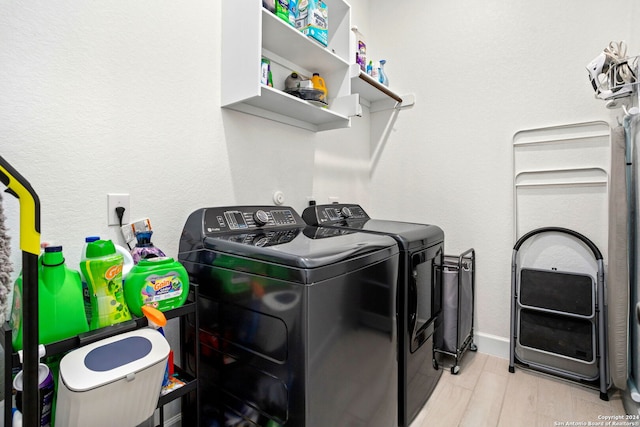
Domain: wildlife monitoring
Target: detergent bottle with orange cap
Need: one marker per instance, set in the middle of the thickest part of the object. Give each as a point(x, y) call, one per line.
point(102, 269)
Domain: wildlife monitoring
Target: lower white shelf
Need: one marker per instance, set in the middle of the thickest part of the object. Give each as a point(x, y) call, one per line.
point(279, 106)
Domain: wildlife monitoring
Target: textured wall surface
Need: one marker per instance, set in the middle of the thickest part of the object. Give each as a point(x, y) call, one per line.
point(123, 97)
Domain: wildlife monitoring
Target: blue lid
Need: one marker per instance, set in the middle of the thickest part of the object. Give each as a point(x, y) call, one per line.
point(116, 354)
point(53, 249)
point(90, 239)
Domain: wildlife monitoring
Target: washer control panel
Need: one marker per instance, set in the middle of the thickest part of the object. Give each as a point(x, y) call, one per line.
point(333, 213)
point(244, 218)
point(262, 238)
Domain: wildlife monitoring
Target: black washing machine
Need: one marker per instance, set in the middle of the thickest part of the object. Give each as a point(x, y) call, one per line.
point(297, 323)
point(419, 295)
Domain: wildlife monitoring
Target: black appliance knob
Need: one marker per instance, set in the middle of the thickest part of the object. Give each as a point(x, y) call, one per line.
point(260, 240)
point(346, 212)
point(260, 217)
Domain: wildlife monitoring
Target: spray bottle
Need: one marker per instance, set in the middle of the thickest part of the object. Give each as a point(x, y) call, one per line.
point(158, 321)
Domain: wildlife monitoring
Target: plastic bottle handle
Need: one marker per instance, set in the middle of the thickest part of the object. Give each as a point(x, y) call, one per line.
point(318, 83)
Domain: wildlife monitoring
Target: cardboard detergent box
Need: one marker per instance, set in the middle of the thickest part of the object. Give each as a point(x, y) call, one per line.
point(313, 20)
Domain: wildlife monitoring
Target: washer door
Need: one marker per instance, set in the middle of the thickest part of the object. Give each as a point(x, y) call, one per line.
point(425, 294)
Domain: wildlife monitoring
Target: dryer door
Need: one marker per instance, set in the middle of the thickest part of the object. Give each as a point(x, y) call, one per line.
point(425, 294)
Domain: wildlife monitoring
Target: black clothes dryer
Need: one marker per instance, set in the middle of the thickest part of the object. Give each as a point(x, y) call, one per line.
point(419, 295)
point(297, 323)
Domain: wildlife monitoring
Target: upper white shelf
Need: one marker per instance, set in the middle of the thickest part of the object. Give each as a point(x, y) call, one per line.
point(250, 32)
point(289, 43)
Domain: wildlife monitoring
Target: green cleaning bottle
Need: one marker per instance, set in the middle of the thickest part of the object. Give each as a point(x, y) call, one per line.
point(102, 269)
point(60, 305)
point(160, 282)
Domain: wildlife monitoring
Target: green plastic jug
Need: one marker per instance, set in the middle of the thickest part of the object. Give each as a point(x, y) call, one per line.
point(161, 282)
point(102, 269)
point(60, 304)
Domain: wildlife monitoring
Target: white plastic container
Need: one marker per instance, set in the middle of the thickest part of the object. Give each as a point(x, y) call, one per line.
point(113, 382)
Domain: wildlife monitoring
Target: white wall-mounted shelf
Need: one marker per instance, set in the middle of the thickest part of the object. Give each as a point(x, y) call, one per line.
point(274, 104)
point(250, 32)
point(374, 94)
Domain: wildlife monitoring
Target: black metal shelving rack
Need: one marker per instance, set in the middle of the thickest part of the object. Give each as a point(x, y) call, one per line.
point(19, 187)
point(12, 359)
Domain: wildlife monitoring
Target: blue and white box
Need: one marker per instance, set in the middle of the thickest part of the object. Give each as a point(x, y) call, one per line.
point(313, 20)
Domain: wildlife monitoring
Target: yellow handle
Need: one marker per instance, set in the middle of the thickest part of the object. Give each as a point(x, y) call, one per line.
point(318, 83)
point(29, 207)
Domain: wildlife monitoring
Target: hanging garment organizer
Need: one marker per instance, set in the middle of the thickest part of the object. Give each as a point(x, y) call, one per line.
point(561, 178)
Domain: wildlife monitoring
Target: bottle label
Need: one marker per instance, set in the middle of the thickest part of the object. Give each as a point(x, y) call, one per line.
point(106, 294)
point(113, 271)
point(159, 288)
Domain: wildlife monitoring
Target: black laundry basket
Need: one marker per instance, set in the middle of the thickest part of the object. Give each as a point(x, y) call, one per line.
point(455, 333)
point(558, 309)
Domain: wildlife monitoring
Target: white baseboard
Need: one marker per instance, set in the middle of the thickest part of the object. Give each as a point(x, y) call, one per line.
point(492, 344)
point(631, 407)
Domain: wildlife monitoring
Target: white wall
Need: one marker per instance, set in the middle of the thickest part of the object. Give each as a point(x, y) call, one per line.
point(482, 71)
point(123, 96)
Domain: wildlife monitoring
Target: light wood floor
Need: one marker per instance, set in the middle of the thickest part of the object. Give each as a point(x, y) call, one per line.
point(484, 393)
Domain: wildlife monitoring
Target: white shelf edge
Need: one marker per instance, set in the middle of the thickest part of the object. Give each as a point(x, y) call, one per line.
point(284, 108)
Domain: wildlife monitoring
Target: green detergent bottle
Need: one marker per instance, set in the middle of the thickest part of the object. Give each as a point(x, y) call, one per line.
point(161, 282)
point(60, 305)
point(102, 269)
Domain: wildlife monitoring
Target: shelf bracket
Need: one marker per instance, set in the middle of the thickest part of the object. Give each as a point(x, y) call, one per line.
point(408, 100)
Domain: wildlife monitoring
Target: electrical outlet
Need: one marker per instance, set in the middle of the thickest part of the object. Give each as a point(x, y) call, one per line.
point(114, 201)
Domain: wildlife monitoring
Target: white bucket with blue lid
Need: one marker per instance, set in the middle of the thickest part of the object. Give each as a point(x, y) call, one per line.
point(115, 381)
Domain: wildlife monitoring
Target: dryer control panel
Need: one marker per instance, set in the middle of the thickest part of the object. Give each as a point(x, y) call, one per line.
point(244, 218)
point(333, 213)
